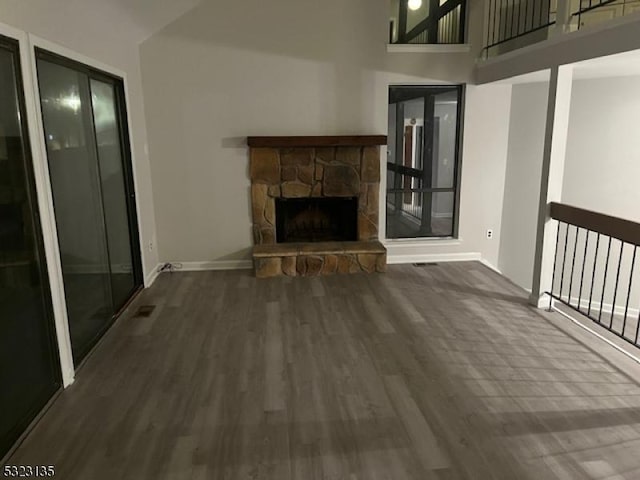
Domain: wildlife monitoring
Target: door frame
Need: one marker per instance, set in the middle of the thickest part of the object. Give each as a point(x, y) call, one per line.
point(35, 126)
point(65, 57)
point(44, 203)
point(125, 149)
point(33, 199)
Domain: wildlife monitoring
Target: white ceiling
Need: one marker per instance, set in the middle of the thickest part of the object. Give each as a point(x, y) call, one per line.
point(620, 65)
point(150, 16)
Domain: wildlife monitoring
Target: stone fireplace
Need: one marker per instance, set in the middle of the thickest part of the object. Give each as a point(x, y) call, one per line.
point(315, 204)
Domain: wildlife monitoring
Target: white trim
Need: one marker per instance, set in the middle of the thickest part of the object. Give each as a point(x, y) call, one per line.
point(44, 187)
point(28, 42)
point(596, 334)
point(45, 203)
point(490, 266)
point(213, 265)
point(398, 259)
point(428, 48)
point(427, 242)
point(540, 302)
point(595, 306)
point(151, 277)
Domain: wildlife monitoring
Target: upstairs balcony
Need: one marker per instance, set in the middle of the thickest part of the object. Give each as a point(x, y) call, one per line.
point(508, 25)
point(513, 24)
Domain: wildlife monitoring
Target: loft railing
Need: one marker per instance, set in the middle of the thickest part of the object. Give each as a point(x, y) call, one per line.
point(595, 269)
point(587, 12)
point(428, 22)
point(512, 24)
point(509, 20)
point(406, 194)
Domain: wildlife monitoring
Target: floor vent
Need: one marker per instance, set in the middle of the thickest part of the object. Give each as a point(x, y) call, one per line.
point(144, 311)
point(425, 264)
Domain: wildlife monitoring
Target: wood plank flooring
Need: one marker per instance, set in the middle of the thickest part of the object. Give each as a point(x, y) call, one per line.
point(436, 372)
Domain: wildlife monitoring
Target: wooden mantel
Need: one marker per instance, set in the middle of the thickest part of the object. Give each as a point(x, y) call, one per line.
point(330, 141)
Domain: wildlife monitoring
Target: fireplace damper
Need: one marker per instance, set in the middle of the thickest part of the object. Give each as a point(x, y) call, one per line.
point(316, 219)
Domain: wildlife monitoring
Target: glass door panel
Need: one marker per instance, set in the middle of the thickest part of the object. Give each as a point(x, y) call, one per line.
point(75, 184)
point(114, 194)
point(29, 364)
point(93, 197)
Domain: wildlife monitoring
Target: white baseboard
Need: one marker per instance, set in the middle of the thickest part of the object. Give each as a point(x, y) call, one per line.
point(397, 259)
point(600, 335)
point(607, 308)
point(489, 265)
point(152, 275)
point(214, 265)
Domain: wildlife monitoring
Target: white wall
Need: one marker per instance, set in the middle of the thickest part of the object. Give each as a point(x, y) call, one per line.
point(522, 184)
point(225, 71)
point(108, 34)
point(603, 152)
point(602, 169)
point(484, 166)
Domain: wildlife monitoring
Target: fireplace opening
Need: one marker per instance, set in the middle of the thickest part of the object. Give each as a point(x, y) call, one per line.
point(316, 219)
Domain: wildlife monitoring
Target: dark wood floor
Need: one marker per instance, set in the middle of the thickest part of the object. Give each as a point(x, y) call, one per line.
point(436, 372)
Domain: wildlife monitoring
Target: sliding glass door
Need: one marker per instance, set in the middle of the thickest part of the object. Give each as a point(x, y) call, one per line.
point(90, 167)
point(29, 364)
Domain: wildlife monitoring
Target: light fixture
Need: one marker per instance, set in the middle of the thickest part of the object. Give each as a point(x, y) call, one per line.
point(415, 4)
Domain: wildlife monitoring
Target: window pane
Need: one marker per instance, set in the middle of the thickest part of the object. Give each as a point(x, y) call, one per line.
point(114, 196)
point(416, 13)
point(73, 166)
point(417, 214)
point(422, 161)
point(445, 140)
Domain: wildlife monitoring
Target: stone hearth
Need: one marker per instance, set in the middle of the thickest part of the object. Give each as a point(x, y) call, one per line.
point(315, 167)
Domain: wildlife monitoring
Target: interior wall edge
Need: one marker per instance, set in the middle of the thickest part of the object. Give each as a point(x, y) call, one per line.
point(151, 276)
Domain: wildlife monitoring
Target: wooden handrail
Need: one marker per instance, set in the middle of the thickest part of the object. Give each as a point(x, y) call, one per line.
point(624, 230)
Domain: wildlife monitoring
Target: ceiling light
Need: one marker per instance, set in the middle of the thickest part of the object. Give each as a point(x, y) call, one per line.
point(415, 4)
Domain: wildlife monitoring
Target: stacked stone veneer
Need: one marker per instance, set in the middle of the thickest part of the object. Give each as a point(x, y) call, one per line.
point(312, 259)
point(314, 172)
point(343, 171)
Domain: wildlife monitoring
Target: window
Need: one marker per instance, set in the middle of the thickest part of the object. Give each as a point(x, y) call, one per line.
point(427, 21)
point(423, 161)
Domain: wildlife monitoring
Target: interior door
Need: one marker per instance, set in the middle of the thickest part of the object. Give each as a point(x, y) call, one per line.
point(29, 363)
point(90, 168)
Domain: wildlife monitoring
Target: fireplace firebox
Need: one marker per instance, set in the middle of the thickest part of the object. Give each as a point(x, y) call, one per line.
point(324, 219)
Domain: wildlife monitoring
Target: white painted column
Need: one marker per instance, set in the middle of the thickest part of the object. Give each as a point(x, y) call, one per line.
point(555, 147)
